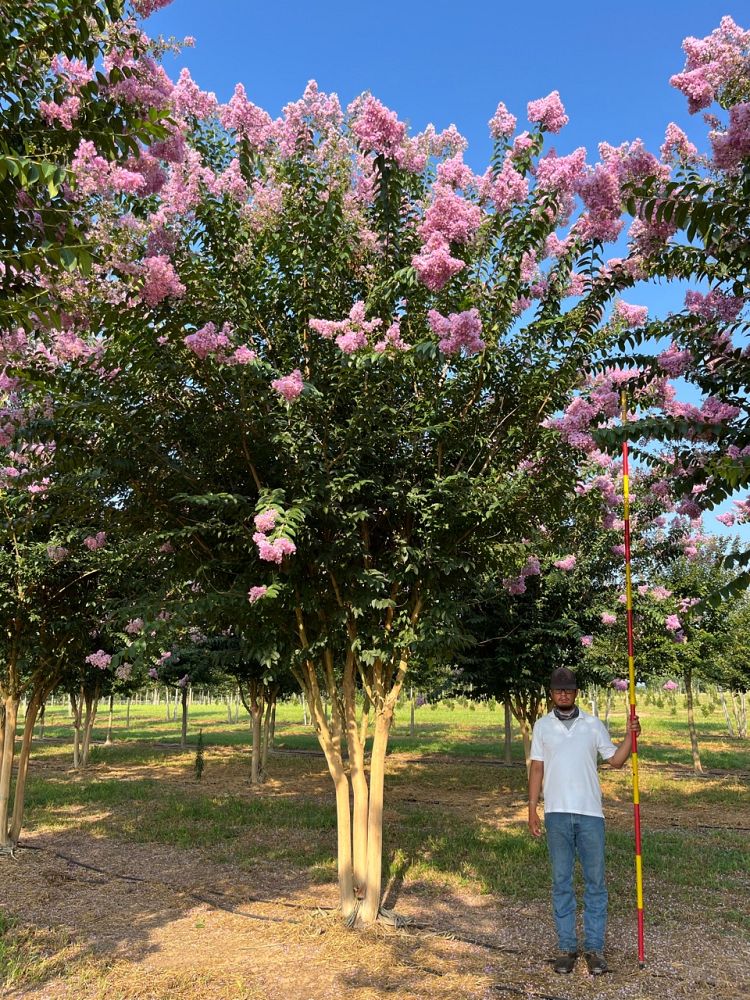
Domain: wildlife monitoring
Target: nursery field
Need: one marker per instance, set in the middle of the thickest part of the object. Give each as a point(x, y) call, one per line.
point(135, 880)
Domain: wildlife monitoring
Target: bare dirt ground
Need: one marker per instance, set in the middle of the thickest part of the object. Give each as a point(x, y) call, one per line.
point(123, 921)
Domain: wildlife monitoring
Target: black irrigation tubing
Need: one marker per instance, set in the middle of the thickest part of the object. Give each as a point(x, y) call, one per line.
point(227, 908)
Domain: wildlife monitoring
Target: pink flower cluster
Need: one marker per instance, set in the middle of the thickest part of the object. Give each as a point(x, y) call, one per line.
point(99, 659)
point(134, 626)
point(160, 281)
point(516, 585)
point(566, 564)
point(631, 316)
point(672, 623)
point(450, 217)
point(377, 128)
point(273, 551)
point(250, 122)
point(670, 686)
point(732, 145)
point(144, 8)
point(620, 684)
point(97, 541)
point(207, 340)
point(256, 593)
point(457, 331)
point(715, 305)
point(674, 361)
point(712, 63)
point(548, 112)
point(289, 386)
point(57, 553)
point(502, 123)
point(608, 618)
point(676, 144)
point(587, 640)
point(188, 99)
point(355, 332)
point(506, 188)
point(65, 112)
point(435, 264)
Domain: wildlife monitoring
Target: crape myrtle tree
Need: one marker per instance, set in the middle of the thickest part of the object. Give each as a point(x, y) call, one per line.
point(338, 353)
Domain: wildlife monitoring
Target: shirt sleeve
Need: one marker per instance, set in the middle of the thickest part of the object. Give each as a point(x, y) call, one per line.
point(605, 747)
point(537, 751)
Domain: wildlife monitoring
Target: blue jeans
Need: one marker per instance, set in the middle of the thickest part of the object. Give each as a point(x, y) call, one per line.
point(568, 835)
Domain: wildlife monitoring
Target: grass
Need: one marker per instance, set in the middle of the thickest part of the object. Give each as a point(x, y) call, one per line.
point(449, 824)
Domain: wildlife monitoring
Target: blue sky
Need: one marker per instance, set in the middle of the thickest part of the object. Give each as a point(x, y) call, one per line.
point(442, 63)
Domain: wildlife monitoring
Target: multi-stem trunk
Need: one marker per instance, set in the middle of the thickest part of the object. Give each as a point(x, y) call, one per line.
point(19, 792)
point(691, 722)
point(10, 719)
point(92, 704)
point(76, 708)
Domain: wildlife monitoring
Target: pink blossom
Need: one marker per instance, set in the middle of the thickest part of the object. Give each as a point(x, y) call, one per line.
point(515, 585)
point(145, 8)
point(153, 673)
point(587, 640)
point(99, 659)
point(561, 174)
point(377, 128)
point(618, 550)
point(458, 331)
point(712, 63)
point(96, 541)
point(255, 593)
point(289, 386)
point(450, 216)
point(506, 188)
point(188, 99)
point(276, 550)
point(732, 146)
point(727, 518)
point(502, 122)
point(566, 564)
point(631, 316)
point(532, 567)
point(134, 626)
point(435, 265)
point(672, 623)
point(670, 686)
point(392, 339)
point(660, 593)
point(57, 553)
point(674, 361)
point(65, 113)
point(266, 520)
point(608, 618)
point(241, 356)
point(160, 281)
point(250, 122)
point(620, 684)
point(676, 143)
point(716, 305)
point(548, 112)
point(456, 173)
point(208, 341)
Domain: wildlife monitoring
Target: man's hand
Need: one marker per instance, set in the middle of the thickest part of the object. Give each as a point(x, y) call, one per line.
point(535, 824)
point(634, 725)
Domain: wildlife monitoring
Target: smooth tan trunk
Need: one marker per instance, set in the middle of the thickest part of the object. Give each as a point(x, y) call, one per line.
point(697, 766)
point(266, 738)
point(183, 730)
point(92, 705)
point(108, 740)
point(373, 880)
point(76, 706)
point(257, 718)
point(508, 731)
point(6, 766)
point(23, 768)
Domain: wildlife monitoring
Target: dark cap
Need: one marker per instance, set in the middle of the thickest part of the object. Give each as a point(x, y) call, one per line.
point(563, 679)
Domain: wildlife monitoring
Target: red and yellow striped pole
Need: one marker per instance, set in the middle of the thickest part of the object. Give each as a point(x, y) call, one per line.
point(631, 687)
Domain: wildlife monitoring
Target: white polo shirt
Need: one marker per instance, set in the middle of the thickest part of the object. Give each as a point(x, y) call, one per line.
point(571, 782)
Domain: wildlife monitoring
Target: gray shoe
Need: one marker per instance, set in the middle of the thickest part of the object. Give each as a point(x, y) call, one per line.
point(596, 963)
point(565, 961)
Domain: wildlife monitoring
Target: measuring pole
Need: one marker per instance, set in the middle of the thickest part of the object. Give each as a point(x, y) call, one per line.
point(631, 688)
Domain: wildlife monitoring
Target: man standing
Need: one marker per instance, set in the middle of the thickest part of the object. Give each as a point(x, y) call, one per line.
point(564, 749)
